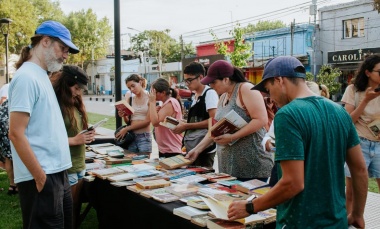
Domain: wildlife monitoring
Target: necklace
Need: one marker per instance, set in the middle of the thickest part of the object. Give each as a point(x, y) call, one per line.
point(229, 96)
point(139, 102)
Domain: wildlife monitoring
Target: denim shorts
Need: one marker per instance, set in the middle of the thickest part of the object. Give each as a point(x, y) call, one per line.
point(141, 144)
point(74, 177)
point(371, 153)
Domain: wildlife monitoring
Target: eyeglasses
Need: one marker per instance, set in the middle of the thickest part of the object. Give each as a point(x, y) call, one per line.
point(64, 48)
point(188, 81)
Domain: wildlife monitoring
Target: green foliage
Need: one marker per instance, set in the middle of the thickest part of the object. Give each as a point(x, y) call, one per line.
point(328, 75)
point(161, 45)
point(376, 5)
point(242, 50)
point(26, 16)
point(264, 25)
point(309, 76)
point(89, 34)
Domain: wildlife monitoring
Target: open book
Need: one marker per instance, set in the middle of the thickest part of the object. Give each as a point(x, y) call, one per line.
point(229, 124)
point(220, 208)
point(169, 122)
point(101, 122)
point(374, 127)
point(124, 107)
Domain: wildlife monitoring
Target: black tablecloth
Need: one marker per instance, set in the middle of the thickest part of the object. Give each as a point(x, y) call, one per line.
point(118, 207)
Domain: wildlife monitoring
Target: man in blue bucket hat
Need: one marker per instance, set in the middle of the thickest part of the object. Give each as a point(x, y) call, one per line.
point(39, 142)
point(314, 138)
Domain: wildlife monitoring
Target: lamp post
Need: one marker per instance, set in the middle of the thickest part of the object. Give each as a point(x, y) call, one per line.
point(4, 22)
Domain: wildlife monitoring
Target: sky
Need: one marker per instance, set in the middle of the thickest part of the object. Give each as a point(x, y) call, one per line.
point(193, 19)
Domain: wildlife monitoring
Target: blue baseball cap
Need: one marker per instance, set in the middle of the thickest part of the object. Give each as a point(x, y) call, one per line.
point(285, 66)
point(56, 29)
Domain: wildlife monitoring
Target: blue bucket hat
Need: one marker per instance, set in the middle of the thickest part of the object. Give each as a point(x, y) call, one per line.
point(285, 66)
point(56, 29)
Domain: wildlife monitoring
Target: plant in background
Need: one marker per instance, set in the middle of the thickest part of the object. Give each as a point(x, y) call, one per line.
point(242, 50)
point(328, 76)
point(309, 76)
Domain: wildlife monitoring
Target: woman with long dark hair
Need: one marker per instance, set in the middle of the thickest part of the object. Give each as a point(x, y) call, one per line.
point(245, 158)
point(169, 144)
point(140, 120)
point(362, 102)
point(68, 85)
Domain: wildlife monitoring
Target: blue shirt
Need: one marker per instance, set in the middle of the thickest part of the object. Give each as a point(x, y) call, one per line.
point(32, 92)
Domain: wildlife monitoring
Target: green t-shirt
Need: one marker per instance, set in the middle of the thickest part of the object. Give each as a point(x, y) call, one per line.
point(318, 132)
point(77, 152)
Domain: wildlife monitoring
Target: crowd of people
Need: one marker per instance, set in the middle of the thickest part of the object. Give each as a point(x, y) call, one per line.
point(294, 134)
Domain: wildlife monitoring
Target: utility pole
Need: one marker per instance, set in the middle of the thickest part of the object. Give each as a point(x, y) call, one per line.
point(292, 27)
point(117, 58)
point(313, 11)
point(182, 54)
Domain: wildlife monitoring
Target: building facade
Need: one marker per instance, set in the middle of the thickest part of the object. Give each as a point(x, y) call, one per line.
point(346, 34)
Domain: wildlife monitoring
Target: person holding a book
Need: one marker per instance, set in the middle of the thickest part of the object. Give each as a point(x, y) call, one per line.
point(39, 142)
point(203, 106)
point(139, 121)
point(314, 138)
point(362, 102)
point(239, 154)
point(68, 85)
point(169, 144)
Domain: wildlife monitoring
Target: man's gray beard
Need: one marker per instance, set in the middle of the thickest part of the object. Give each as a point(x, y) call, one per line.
point(52, 62)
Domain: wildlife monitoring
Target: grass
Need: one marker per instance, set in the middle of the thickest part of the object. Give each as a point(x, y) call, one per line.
point(94, 118)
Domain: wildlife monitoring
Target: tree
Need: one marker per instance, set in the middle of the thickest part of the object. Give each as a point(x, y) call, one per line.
point(242, 50)
point(264, 25)
point(26, 16)
point(161, 45)
point(328, 75)
point(89, 34)
point(376, 5)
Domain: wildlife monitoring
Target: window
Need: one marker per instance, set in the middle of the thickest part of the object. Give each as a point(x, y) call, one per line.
point(353, 28)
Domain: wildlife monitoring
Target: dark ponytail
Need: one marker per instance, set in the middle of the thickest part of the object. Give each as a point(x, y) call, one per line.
point(238, 76)
point(162, 85)
point(25, 52)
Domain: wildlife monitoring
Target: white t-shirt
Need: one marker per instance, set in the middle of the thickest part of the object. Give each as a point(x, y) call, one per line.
point(32, 92)
point(4, 91)
point(211, 99)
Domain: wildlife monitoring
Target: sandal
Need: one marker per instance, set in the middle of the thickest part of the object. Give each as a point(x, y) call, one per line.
point(12, 190)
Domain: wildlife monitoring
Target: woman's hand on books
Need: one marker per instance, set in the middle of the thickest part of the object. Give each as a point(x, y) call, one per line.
point(193, 154)
point(122, 133)
point(223, 139)
point(85, 138)
point(236, 210)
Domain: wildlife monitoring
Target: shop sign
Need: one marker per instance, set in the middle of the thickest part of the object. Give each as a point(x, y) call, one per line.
point(350, 56)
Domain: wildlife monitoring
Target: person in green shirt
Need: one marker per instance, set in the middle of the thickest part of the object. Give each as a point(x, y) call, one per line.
point(68, 85)
point(314, 138)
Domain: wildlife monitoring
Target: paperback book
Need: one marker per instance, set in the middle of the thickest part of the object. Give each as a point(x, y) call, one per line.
point(153, 184)
point(187, 212)
point(189, 179)
point(248, 186)
point(374, 127)
point(174, 162)
point(169, 122)
point(183, 190)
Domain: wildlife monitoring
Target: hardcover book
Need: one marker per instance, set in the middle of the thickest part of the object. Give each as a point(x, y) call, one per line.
point(216, 223)
point(174, 162)
point(248, 186)
point(153, 184)
point(187, 212)
point(124, 107)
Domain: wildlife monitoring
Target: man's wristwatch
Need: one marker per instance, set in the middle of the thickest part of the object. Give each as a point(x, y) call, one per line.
point(249, 207)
